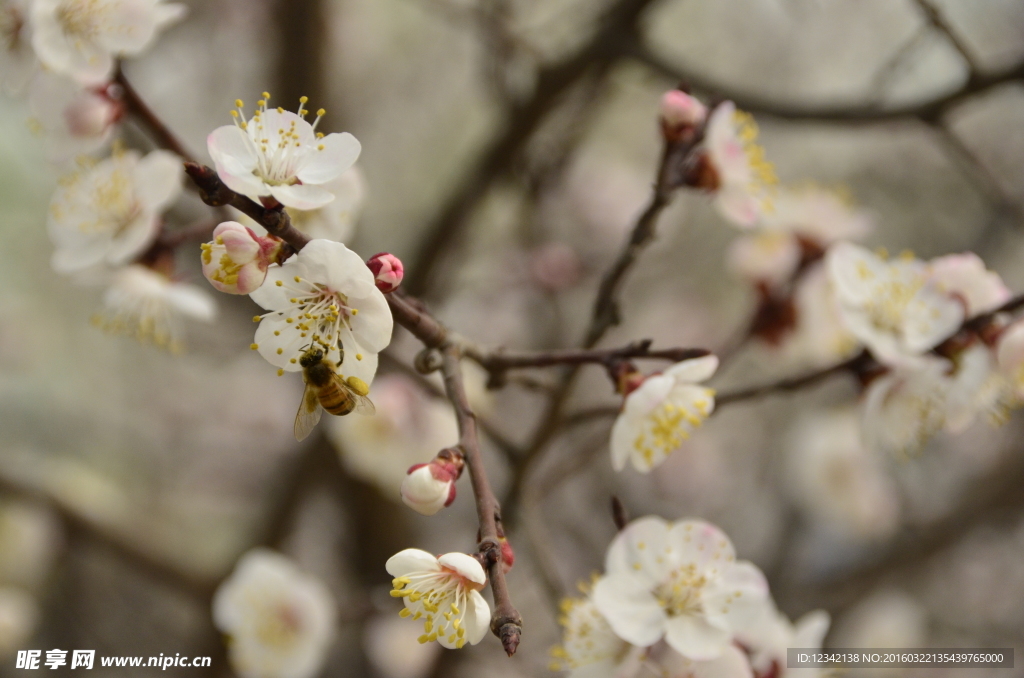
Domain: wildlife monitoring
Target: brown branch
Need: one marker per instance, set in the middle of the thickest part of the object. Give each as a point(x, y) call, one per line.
point(141, 111)
point(215, 194)
point(499, 361)
point(506, 622)
point(195, 585)
point(932, 109)
point(607, 44)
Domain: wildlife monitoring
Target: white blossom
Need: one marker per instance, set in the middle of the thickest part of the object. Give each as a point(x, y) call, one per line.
point(964, 277)
point(445, 592)
point(905, 407)
point(680, 582)
point(732, 663)
point(237, 259)
point(109, 212)
point(30, 539)
point(280, 621)
point(1010, 359)
point(74, 119)
point(820, 338)
point(325, 293)
point(767, 257)
point(744, 179)
point(838, 481)
point(768, 638)
point(19, 617)
point(892, 306)
point(279, 154)
point(661, 414)
point(817, 215)
point(17, 58)
point(149, 306)
point(590, 648)
point(82, 38)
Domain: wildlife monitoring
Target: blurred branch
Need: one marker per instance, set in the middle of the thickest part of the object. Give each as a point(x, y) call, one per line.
point(522, 119)
point(499, 361)
point(995, 498)
point(929, 110)
point(863, 363)
point(141, 111)
point(75, 522)
point(935, 19)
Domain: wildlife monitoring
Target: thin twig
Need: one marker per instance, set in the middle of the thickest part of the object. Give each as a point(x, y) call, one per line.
point(506, 622)
point(138, 108)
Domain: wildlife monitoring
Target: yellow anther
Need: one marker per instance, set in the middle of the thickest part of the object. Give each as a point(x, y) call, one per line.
point(239, 103)
point(234, 114)
point(298, 279)
point(280, 351)
point(254, 346)
point(320, 147)
point(279, 283)
point(280, 372)
point(355, 311)
point(256, 318)
point(303, 100)
point(322, 112)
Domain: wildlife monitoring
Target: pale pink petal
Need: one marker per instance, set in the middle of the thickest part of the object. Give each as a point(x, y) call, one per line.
point(340, 151)
point(467, 566)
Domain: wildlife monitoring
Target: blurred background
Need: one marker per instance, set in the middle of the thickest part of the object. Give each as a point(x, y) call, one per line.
point(508, 145)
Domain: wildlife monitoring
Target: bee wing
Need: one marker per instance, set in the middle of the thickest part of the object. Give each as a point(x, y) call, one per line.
point(309, 413)
point(363, 404)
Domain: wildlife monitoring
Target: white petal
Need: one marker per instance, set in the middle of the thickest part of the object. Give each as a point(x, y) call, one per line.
point(630, 608)
point(303, 197)
point(230, 146)
point(134, 239)
point(695, 541)
point(288, 339)
point(477, 620)
point(158, 180)
point(270, 295)
point(695, 370)
point(649, 395)
point(467, 566)
point(811, 629)
point(624, 432)
point(737, 598)
point(639, 550)
point(695, 638)
point(411, 561)
point(192, 301)
point(339, 154)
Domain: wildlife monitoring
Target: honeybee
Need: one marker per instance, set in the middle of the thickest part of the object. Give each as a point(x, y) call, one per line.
point(327, 389)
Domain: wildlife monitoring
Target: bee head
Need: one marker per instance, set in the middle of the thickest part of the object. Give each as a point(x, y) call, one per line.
point(311, 357)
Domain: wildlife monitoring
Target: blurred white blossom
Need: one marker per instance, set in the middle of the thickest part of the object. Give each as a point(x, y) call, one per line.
point(680, 582)
point(773, 633)
point(965, 278)
point(391, 647)
point(19, 617)
point(743, 179)
point(109, 212)
point(838, 481)
point(75, 119)
point(30, 536)
point(337, 219)
point(82, 38)
point(892, 306)
point(589, 647)
point(17, 58)
point(149, 306)
point(280, 621)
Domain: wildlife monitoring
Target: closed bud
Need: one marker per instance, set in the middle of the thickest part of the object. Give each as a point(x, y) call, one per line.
point(236, 261)
point(680, 114)
point(388, 271)
point(428, 488)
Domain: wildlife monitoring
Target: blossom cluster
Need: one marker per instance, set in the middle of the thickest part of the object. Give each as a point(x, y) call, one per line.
point(674, 600)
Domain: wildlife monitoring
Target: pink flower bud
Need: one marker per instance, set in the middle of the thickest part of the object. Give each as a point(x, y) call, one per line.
point(90, 114)
point(428, 488)
point(236, 261)
point(680, 110)
point(508, 556)
point(388, 270)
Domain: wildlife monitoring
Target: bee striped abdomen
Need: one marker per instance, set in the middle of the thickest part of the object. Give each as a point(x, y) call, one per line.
point(336, 400)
